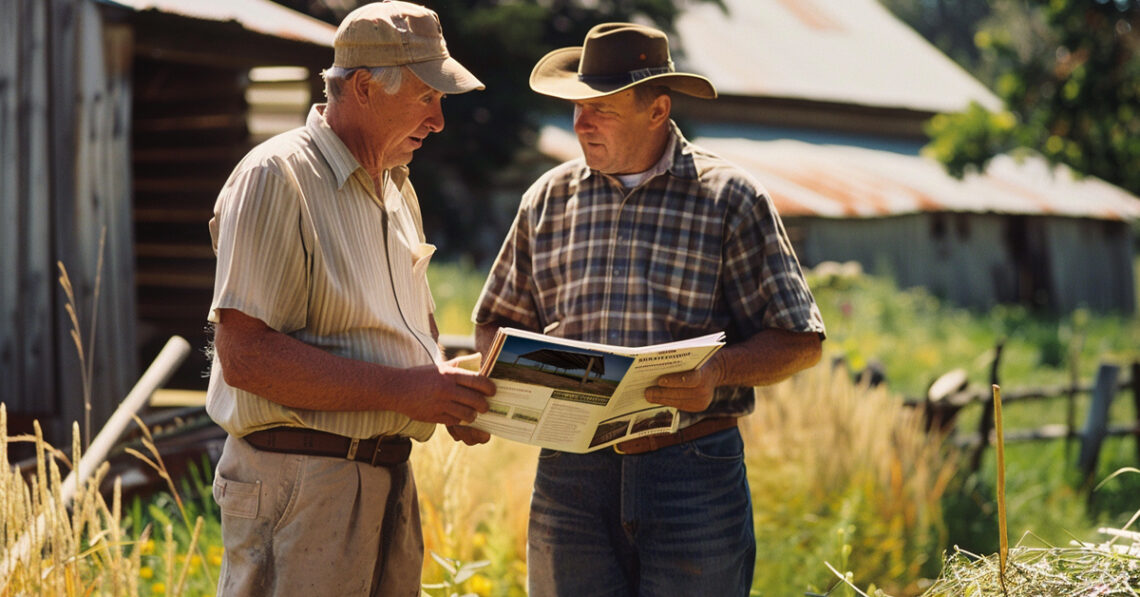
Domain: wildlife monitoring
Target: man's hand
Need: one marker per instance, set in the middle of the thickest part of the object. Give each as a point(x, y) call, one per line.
point(468, 435)
point(446, 394)
point(690, 391)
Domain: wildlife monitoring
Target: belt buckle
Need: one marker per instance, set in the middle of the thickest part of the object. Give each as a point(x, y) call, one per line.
point(352, 446)
point(376, 452)
point(617, 448)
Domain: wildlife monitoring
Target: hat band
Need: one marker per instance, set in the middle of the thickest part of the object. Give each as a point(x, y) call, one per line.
point(632, 76)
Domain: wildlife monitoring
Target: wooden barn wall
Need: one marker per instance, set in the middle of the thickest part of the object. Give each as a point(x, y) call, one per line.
point(27, 354)
point(1091, 264)
point(189, 132)
point(981, 260)
point(65, 110)
point(959, 258)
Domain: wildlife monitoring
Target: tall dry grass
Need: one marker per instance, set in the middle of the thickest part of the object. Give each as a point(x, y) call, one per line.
point(55, 548)
point(845, 474)
point(61, 541)
point(474, 504)
point(840, 473)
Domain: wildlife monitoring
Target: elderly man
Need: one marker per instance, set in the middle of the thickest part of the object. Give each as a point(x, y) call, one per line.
point(649, 239)
point(326, 360)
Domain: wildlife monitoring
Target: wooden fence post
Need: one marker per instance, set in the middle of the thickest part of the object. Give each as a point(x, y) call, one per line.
point(1096, 424)
point(1136, 404)
point(987, 422)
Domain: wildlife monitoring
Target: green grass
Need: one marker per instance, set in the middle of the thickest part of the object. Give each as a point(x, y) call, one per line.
point(841, 475)
point(916, 337)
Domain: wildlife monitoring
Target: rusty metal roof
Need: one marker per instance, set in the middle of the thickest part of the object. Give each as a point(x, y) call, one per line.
point(848, 51)
point(842, 181)
point(262, 16)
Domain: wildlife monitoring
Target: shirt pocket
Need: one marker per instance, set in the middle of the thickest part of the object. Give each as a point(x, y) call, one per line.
point(237, 498)
point(683, 288)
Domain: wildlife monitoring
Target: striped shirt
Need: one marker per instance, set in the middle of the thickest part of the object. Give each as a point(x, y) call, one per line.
point(305, 245)
point(696, 248)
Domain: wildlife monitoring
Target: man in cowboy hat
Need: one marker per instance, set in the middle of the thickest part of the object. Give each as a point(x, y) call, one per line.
point(326, 357)
point(649, 239)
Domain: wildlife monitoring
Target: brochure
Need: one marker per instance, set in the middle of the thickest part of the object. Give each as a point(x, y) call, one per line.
point(580, 396)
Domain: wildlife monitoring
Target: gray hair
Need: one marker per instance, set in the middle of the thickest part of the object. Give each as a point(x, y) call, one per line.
point(390, 78)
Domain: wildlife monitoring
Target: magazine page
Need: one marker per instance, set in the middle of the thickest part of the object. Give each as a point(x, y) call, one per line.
point(578, 396)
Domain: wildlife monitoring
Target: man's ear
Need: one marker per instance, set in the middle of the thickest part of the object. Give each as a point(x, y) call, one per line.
point(659, 110)
point(360, 85)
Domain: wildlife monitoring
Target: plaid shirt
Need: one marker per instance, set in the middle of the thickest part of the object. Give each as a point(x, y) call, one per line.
point(695, 249)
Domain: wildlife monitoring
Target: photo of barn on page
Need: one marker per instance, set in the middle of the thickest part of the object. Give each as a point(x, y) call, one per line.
point(580, 396)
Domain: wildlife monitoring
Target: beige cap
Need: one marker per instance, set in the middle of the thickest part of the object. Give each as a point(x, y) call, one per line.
point(395, 33)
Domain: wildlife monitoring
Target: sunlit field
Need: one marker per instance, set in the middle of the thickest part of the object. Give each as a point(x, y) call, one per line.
point(843, 475)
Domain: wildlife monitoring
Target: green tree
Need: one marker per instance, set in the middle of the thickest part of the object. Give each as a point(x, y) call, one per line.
point(487, 131)
point(1069, 74)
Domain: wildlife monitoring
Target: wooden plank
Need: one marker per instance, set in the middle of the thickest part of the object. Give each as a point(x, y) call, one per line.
point(1096, 423)
point(174, 250)
point(167, 398)
point(1050, 432)
point(33, 241)
point(200, 216)
point(184, 155)
point(11, 351)
point(1136, 401)
point(73, 243)
point(175, 279)
point(180, 184)
point(203, 122)
point(108, 48)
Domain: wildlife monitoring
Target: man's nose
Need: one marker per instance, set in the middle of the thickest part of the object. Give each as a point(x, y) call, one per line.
point(434, 121)
point(582, 121)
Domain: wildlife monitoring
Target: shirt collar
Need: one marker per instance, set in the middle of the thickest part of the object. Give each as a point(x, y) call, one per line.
point(680, 152)
point(344, 165)
point(676, 159)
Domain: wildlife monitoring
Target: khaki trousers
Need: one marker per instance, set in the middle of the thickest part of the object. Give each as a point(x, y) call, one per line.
point(312, 526)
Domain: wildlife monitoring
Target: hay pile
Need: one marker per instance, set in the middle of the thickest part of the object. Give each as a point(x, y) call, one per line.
point(1078, 571)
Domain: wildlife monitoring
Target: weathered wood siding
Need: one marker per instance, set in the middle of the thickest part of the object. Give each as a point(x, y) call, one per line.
point(27, 359)
point(1091, 264)
point(981, 260)
point(189, 132)
point(64, 179)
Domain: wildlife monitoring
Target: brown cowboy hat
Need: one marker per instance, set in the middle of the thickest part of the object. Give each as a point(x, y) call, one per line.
point(615, 57)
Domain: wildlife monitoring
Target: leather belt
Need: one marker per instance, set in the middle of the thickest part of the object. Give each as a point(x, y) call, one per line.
point(388, 450)
point(697, 430)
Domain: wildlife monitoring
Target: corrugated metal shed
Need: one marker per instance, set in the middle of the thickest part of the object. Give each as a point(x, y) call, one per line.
point(838, 181)
point(261, 16)
point(849, 51)
point(1020, 232)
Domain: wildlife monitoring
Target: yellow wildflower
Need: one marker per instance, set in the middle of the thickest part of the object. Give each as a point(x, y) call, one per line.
point(479, 585)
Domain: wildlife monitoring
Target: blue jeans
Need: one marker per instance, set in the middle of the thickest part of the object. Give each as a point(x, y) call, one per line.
point(673, 522)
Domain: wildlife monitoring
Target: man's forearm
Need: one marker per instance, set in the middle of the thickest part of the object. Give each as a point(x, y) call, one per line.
point(291, 373)
point(768, 357)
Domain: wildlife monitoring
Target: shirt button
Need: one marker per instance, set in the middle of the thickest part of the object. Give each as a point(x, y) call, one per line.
point(617, 271)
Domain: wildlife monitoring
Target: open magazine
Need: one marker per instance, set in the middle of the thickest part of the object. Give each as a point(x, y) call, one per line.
point(579, 396)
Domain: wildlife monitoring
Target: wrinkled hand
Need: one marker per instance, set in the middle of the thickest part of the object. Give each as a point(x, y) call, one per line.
point(690, 391)
point(447, 394)
point(468, 435)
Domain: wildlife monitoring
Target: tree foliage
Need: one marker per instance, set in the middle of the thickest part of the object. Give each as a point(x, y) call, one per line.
point(1069, 74)
point(499, 41)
